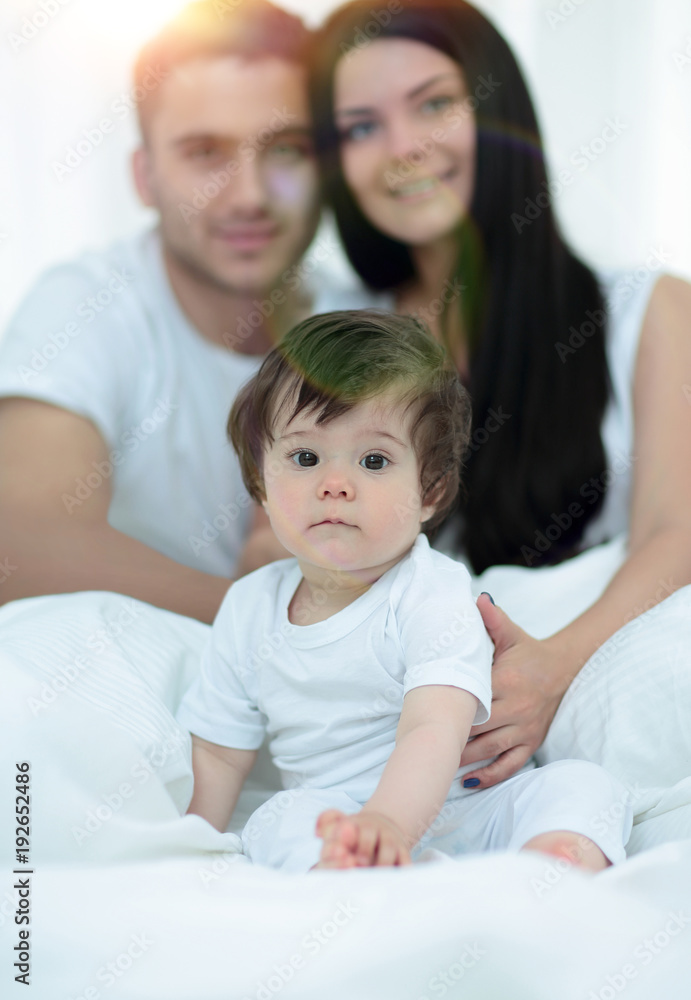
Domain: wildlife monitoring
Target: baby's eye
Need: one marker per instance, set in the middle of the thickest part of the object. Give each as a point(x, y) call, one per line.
point(305, 459)
point(375, 463)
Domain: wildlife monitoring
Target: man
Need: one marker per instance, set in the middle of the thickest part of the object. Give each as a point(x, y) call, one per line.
point(117, 373)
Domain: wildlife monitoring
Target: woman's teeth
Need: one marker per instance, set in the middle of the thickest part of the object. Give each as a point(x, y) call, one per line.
point(419, 187)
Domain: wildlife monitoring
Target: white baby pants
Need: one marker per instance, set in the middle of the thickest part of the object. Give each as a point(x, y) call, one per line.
point(572, 795)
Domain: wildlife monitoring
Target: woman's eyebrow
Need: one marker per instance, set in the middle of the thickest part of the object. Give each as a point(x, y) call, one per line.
point(429, 83)
point(410, 96)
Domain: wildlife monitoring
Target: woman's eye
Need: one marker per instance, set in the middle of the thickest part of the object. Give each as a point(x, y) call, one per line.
point(374, 463)
point(358, 132)
point(436, 104)
point(305, 459)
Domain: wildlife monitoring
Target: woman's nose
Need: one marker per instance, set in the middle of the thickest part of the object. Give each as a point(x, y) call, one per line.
point(405, 140)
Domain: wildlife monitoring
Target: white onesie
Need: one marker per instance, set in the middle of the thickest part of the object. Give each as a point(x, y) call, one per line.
point(329, 695)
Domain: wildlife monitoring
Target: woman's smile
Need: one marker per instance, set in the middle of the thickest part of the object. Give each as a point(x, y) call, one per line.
point(423, 188)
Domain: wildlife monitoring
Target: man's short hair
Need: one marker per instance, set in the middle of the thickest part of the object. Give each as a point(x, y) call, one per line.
point(330, 363)
point(254, 29)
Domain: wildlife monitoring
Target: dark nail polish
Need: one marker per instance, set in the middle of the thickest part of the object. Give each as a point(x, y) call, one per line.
point(472, 782)
point(488, 595)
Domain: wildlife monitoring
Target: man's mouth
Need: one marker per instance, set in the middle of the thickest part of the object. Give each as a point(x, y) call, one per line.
point(247, 236)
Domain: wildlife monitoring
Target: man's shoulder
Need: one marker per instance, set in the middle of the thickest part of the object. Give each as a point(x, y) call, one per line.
point(120, 264)
point(84, 300)
point(85, 332)
point(92, 288)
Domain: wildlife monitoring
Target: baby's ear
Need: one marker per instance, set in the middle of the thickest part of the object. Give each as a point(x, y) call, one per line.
point(433, 499)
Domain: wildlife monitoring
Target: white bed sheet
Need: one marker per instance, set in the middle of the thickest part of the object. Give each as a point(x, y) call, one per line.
point(89, 684)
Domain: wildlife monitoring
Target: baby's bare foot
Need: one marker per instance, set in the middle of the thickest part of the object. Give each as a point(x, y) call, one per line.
point(575, 848)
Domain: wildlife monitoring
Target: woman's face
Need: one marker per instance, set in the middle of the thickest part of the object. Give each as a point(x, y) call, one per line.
point(408, 138)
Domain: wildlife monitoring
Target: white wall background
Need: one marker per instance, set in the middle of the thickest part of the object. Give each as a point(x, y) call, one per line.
point(586, 61)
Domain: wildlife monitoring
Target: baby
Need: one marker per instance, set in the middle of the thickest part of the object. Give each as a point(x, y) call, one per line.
point(364, 658)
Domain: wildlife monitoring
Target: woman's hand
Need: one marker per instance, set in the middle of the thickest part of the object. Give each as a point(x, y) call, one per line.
point(362, 840)
point(528, 682)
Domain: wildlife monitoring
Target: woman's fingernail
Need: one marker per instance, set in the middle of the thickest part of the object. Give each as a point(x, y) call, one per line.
point(472, 782)
point(488, 595)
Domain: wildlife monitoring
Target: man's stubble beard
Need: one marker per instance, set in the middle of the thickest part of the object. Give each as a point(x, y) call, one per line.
point(196, 267)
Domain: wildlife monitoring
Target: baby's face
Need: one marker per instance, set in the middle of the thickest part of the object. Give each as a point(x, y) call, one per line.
point(345, 494)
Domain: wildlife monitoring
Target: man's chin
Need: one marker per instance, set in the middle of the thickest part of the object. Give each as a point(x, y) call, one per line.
point(258, 279)
point(255, 277)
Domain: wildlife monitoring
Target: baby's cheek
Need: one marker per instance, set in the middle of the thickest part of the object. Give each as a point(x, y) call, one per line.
point(406, 510)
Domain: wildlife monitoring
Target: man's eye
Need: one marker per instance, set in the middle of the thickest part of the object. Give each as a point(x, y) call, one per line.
point(288, 152)
point(305, 459)
point(202, 152)
point(374, 463)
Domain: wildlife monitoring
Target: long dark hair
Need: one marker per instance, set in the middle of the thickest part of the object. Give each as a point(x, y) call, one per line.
point(537, 406)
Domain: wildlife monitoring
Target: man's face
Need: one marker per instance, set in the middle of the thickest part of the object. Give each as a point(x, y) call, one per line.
point(228, 163)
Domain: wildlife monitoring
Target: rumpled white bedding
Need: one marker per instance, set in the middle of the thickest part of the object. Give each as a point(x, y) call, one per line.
point(131, 900)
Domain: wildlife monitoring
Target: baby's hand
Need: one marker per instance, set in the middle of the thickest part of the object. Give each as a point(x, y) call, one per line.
point(363, 840)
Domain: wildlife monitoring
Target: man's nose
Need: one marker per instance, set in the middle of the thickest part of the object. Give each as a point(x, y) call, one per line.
point(246, 191)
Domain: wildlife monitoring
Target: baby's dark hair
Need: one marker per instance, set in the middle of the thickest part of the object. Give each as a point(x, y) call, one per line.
point(330, 363)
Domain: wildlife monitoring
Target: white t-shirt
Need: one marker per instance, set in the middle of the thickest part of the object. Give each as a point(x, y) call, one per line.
point(329, 695)
point(627, 294)
point(104, 337)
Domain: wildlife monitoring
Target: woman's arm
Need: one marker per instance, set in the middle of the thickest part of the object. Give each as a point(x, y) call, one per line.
point(432, 731)
point(219, 774)
point(530, 676)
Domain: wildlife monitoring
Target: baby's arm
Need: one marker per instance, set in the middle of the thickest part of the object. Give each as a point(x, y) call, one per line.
point(432, 732)
point(219, 774)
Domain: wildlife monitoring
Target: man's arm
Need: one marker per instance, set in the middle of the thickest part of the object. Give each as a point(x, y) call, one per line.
point(47, 549)
point(219, 774)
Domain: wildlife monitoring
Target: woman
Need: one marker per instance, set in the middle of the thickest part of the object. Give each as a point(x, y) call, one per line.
point(431, 152)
